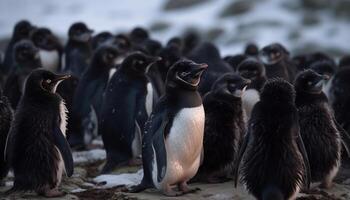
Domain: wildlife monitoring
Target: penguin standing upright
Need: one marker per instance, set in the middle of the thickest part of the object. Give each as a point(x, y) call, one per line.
point(327, 68)
point(209, 53)
point(275, 163)
point(277, 62)
point(6, 116)
point(127, 103)
point(339, 97)
point(50, 49)
point(224, 126)
point(173, 141)
point(27, 58)
point(87, 99)
point(78, 50)
point(21, 31)
point(320, 131)
point(36, 147)
point(254, 71)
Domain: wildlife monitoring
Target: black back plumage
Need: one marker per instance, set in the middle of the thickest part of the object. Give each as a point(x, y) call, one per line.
point(123, 109)
point(208, 53)
point(317, 125)
point(32, 140)
point(27, 58)
point(6, 116)
point(273, 165)
point(22, 30)
point(224, 122)
point(78, 51)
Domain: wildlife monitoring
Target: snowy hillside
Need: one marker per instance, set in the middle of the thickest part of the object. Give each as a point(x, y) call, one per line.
point(299, 24)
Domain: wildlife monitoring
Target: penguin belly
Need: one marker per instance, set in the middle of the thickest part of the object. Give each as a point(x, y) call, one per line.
point(49, 59)
point(63, 128)
point(249, 98)
point(184, 146)
point(149, 99)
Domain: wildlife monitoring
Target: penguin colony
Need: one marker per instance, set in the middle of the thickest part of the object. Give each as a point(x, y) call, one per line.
point(272, 122)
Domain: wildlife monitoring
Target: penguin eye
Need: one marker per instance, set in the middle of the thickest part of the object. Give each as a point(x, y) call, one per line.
point(48, 81)
point(309, 83)
point(110, 55)
point(140, 62)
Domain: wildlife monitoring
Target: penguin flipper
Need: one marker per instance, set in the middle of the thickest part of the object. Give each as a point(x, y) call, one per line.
point(239, 157)
point(160, 150)
point(345, 137)
point(302, 150)
point(63, 146)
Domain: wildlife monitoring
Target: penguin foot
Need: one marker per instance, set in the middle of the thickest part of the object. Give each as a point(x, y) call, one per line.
point(52, 193)
point(185, 189)
point(135, 162)
point(137, 188)
point(326, 185)
point(172, 193)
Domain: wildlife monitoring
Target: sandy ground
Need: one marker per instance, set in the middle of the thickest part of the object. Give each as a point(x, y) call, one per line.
point(82, 186)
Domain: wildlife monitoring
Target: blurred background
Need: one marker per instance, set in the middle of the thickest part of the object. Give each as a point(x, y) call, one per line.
point(301, 25)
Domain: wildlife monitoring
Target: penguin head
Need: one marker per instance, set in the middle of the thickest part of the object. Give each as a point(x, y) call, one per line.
point(309, 81)
point(230, 85)
point(106, 56)
point(43, 38)
point(138, 63)
point(22, 30)
point(273, 53)
point(251, 50)
point(139, 34)
point(25, 52)
point(251, 69)
point(101, 38)
point(42, 81)
point(122, 42)
point(235, 60)
point(79, 32)
point(185, 74)
point(344, 61)
point(324, 67)
point(176, 41)
point(153, 47)
point(277, 91)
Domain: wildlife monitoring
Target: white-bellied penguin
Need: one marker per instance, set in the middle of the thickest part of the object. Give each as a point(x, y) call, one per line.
point(173, 142)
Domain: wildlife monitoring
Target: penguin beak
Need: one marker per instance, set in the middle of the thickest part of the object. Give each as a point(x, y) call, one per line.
point(57, 81)
point(326, 77)
point(198, 69)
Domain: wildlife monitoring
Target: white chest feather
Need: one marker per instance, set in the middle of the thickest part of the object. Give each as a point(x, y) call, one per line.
point(149, 99)
point(327, 86)
point(184, 146)
point(111, 72)
point(49, 59)
point(63, 117)
point(249, 98)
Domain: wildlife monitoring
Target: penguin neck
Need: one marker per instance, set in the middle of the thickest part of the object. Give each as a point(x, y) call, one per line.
point(183, 97)
point(257, 83)
point(84, 46)
point(27, 65)
point(304, 98)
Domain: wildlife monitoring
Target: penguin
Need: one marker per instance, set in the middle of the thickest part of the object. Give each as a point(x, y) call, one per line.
point(101, 38)
point(36, 147)
point(209, 53)
point(344, 62)
point(224, 127)
point(339, 97)
point(6, 116)
point(173, 142)
point(50, 49)
point(304, 61)
point(318, 128)
point(191, 40)
point(138, 35)
point(274, 161)
point(87, 99)
point(127, 104)
point(235, 60)
point(251, 50)
point(22, 30)
point(327, 68)
point(277, 62)
point(255, 71)
point(78, 50)
point(27, 58)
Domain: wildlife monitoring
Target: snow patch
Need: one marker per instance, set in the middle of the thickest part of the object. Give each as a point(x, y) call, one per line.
point(89, 156)
point(127, 179)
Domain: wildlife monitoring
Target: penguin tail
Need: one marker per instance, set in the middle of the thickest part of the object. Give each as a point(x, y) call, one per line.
point(272, 193)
